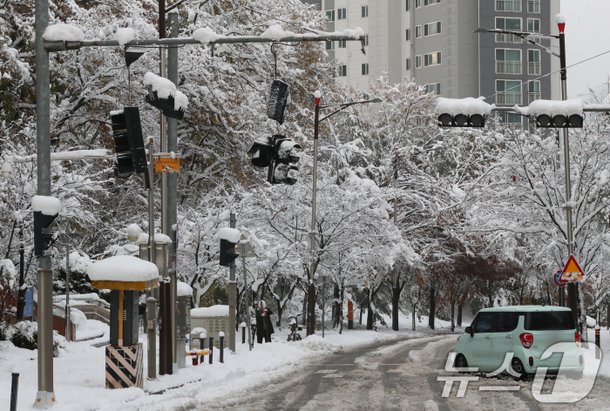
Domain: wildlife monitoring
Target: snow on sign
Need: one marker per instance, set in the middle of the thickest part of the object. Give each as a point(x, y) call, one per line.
point(572, 272)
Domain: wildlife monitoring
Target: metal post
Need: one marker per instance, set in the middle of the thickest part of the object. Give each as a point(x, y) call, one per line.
point(232, 294)
point(151, 329)
point(68, 329)
point(311, 293)
point(597, 340)
point(243, 330)
point(45, 396)
point(248, 304)
point(211, 349)
point(222, 346)
point(572, 290)
point(14, 390)
point(21, 291)
point(171, 179)
point(323, 302)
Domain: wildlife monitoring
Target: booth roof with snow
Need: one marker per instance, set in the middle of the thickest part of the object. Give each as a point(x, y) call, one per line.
point(124, 272)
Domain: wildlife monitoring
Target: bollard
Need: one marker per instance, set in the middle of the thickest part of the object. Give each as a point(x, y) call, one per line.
point(211, 349)
point(222, 346)
point(243, 332)
point(195, 360)
point(14, 388)
point(597, 341)
point(202, 344)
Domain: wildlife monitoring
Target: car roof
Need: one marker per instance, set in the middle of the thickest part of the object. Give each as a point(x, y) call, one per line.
point(524, 308)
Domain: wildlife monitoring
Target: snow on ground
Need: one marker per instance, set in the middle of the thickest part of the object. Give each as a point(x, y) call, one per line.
point(79, 369)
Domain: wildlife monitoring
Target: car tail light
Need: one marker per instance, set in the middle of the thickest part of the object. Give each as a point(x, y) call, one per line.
point(527, 339)
point(577, 336)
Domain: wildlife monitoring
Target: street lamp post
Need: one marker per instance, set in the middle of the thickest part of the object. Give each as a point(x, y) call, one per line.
point(311, 293)
point(559, 19)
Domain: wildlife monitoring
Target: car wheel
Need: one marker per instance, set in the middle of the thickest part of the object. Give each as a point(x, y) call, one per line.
point(460, 361)
point(517, 367)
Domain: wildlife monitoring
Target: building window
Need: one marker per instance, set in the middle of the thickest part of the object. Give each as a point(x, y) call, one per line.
point(341, 14)
point(434, 88)
point(408, 34)
point(342, 44)
point(533, 25)
point(365, 69)
point(330, 15)
point(510, 119)
point(508, 5)
point(508, 61)
point(342, 70)
point(417, 61)
point(408, 64)
point(508, 92)
point(408, 5)
point(533, 6)
point(432, 59)
point(533, 62)
point(508, 23)
point(431, 2)
point(430, 29)
point(417, 4)
point(365, 11)
point(366, 39)
point(330, 45)
point(417, 31)
point(533, 90)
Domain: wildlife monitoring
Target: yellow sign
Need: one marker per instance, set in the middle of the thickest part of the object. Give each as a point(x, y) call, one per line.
point(167, 165)
point(572, 272)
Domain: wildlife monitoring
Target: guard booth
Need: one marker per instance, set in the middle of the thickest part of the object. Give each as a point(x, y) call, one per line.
point(214, 319)
point(126, 276)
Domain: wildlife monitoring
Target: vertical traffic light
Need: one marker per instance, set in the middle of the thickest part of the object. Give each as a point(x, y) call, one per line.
point(278, 97)
point(227, 252)
point(284, 160)
point(46, 210)
point(128, 142)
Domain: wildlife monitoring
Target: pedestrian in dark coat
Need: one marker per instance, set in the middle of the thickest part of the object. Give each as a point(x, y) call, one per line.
point(264, 325)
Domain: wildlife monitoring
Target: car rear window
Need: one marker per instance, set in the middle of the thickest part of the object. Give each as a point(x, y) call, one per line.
point(495, 322)
point(549, 320)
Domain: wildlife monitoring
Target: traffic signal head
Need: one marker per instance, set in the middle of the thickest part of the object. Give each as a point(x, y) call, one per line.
point(285, 159)
point(45, 210)
point(555, 114)
point(464, 112)
point(128, 142)
point(278, 97)
point(559, 121)
point(227, 252)
point(261, 152)
point(162, 94)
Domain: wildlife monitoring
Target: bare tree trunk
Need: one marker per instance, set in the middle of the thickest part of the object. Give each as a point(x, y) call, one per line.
point(338, 303)
point(311, 309)
point(413, 316)
point(369, 315)
point(452, 316)
point(432, 307)
point(279, 313)
point(304, 312)
point(459, 314)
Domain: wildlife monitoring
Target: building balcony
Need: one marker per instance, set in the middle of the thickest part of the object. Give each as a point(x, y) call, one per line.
point(508, 99)
point(508, 67)
point(533, 69)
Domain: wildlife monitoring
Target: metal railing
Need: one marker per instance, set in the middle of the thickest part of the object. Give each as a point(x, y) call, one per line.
point(509, 99)
point(508, 67)
point(509, 5)
point(533, 68)
point(533, 6)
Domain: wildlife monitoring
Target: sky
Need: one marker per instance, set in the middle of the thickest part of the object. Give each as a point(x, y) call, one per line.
point(587, 34)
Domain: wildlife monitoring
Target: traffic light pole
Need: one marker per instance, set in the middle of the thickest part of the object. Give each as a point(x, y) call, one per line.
point(232, 294)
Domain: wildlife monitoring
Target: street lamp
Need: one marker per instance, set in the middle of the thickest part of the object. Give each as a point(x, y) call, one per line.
point(311, 293)
point(561, 24)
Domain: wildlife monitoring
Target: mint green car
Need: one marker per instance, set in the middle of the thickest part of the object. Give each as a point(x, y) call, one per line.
point(526, 332)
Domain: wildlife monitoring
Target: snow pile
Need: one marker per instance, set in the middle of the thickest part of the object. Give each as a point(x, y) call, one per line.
point(125, 35)
point(205, 35)
point(229, 234)
point(315, 342)
point(63, 32)
point(123, 268)
point(213, 311)
point(276, 32)
point(133, 231)
point(46, 205)
point(467, 106)
point(77, 317)
point(560, 19)
point(183, 289)
point(552, 107)
point(353, 33)
point(161, 238)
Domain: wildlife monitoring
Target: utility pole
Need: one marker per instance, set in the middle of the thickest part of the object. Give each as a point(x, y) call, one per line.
point(21, 291)
point(68, 330)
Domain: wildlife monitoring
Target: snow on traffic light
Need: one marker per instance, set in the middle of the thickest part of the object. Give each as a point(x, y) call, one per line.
point(128, 142)
point(163, 94)
point(464, 112)
point(229, 237)
point(555, 114)
point(285, 159)
point(46, 209)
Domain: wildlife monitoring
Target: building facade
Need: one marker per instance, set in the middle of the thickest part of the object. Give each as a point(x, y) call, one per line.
point(434, 42)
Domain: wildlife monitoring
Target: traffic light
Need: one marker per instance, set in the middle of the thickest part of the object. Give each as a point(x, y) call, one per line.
point(555, 114)
point(278, 97)
point(227, 252)
point(462, 112)
point(43, 235)
point(284, 159)
point(128, 142)
point(261, 152)
point(461, 120)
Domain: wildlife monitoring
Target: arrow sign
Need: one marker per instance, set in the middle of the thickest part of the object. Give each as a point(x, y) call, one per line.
point(558, 281)
point(572, 272)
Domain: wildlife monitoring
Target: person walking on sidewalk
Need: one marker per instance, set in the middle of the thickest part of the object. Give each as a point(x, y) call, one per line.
point(264, 325)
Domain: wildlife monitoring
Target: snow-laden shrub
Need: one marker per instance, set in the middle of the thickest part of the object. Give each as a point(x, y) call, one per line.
point(24, 334)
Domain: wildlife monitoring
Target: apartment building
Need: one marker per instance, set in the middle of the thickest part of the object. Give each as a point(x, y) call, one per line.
point(434, 42)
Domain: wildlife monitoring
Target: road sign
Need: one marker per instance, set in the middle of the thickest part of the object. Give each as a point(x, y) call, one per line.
point(572, 272)
point(558, 280)
point(167, 164)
